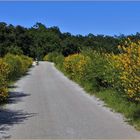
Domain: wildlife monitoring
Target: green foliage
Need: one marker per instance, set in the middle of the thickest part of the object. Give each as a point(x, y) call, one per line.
point(15, 65)
point(14, 50)
point(45, 58)
point(18, 65)
point(75, 65)
point(55, 57)
point(39, 40)
point(88, 68)
point(4, 71)
point(3, 94)
point(11, 68)
point(104, 70)
point(120, 104)
point(95, 70)
point(51, 56)
point(59, 61)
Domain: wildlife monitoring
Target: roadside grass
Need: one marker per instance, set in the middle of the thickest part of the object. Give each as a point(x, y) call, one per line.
point(117, 103)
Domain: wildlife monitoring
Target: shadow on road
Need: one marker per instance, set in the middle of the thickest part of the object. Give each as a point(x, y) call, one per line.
point(10, 117)
point(12, 86)
point(15, 97)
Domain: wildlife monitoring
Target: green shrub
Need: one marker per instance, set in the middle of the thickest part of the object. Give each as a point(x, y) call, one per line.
point(59, 61)
point(51, 56)
point(45, 57)
point(55, 57)
point(15, 65)
point(75, 65)
point(95, 70)
point(3, 94)
point(25, 61)
point(18, 65)
point(11, 67)
point(4, 71)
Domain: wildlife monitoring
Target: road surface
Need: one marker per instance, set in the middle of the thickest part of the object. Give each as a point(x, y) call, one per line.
point(46, 104)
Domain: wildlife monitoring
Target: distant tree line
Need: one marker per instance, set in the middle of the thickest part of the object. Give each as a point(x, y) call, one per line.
point(40, 40)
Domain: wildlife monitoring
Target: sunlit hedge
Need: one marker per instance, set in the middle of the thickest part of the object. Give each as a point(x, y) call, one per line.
point(11, 68)
point(75, 65)
point(128, 64)
point(55, 57)
point(4, 71)
point(118, 71)
point(51, 56)
point(18, 65)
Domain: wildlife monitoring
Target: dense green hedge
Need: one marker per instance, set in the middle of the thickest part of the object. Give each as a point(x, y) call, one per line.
point(11, 68)
point(97, 70)
point(55, 57)
point(4, 71)
point(18, 65)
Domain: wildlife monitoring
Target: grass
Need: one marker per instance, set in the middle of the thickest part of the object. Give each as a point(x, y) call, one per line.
point(130, 110)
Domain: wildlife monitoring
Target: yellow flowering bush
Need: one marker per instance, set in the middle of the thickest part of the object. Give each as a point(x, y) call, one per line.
point(97, 70)
point(111, 72)
point(4, 71)
point(128, 63)
point(25, 61)
point(75, 65)
point(122, 71)
point(18, 65)
point(11, 67)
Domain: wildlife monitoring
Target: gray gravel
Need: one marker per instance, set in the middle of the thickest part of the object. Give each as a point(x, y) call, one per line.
point(45, 104)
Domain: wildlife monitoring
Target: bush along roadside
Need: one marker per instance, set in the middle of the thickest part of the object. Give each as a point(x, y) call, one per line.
point(11, 68)
point(55, 57)
point(114, 78)
point(4, 71)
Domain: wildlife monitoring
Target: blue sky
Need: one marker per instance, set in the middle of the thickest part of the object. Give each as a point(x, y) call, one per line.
point(108, 18)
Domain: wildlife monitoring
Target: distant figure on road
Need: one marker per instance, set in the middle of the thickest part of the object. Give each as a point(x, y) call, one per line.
point(37, 63)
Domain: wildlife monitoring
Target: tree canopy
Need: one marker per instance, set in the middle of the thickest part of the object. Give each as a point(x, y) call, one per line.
point(39, 40)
